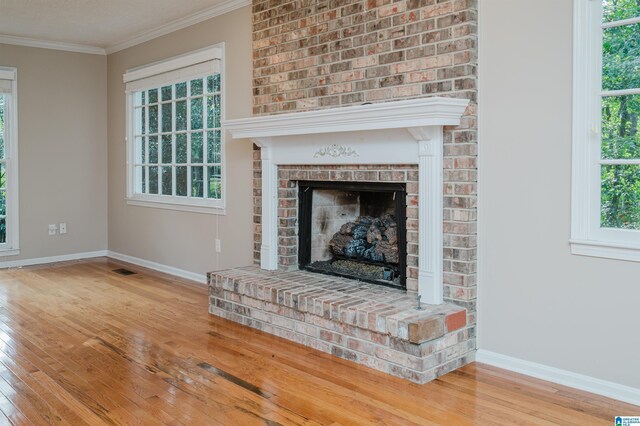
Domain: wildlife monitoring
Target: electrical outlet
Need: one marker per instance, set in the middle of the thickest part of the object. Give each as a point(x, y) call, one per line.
point(53, 229)
point(63, 228)
point(218, 246)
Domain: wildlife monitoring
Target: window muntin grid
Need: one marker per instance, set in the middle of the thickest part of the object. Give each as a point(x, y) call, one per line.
point(177, 140)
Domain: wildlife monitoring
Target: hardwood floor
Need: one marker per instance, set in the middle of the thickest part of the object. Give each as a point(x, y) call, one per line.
point(80, 344)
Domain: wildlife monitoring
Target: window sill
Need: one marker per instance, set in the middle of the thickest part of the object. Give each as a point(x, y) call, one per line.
point(606, 250)
point(9, 252)
point(177, 207)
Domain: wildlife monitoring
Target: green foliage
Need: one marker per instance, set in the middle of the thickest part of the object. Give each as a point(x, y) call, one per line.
point(620, 137)
point(617, 10)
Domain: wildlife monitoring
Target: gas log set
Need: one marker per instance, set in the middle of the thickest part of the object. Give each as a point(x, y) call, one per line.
point(354, 230)
point(367, 239)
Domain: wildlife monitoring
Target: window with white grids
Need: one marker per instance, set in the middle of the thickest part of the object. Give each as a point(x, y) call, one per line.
point(175, 136)
point(9, 241)
point(606, 136)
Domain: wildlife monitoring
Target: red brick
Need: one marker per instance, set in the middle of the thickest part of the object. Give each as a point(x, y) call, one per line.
point(456, 321)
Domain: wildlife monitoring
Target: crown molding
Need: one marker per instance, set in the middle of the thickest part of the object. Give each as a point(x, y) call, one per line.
point(203, 15)
point(217, 10)
point(55, 45)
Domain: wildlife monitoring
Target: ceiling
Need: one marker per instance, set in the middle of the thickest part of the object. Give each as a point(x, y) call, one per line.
point(106, 24)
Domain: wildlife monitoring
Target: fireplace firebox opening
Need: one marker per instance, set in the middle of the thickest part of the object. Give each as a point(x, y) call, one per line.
point(354, 229)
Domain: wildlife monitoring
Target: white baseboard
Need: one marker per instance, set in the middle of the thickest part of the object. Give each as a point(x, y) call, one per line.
point(52, 259)
point(562, 377)
point(199, 278)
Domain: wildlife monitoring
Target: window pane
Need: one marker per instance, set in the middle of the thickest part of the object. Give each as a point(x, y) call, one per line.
point(3, 213)
point(213, 111)
point(196, 147)
point(2, 126)
point(617, 10)
point(3, 177)
point(620, 196)
point(196, 114)
point(620, 136)
point(137, 99)
point(144, 180)
point(216, 111)
point(621, 57)
point(197, 174)
point(153, 119)
point(210, 112)
point(153, 96)
point(144, 121)
point(181, 115)
point(139, 150)
point(181, 90)
point(213, 83)
point(181, 148)
point(167, 93)
point(143, 98)
point(196, 87)
point(139, 179)
point(215, 182)
point(181, 181)
point(139, 120)
point(153, 149)
point(167, 151)
point(167, 116)
point(214, 147)
point(153, 180)
point(167, 180)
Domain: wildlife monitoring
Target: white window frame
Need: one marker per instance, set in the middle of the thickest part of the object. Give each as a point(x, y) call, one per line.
point(205, 205)
point(12, 245)
point(588, 238)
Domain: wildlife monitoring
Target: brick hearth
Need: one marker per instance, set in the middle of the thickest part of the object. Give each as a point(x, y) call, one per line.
point(369, 324)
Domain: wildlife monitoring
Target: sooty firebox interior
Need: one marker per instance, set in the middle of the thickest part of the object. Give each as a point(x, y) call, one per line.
point(354, 229)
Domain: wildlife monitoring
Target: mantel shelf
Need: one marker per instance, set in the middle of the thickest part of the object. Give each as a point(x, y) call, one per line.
point(414, 113)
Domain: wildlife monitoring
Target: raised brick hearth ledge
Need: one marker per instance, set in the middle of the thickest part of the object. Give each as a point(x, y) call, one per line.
point(372, 325)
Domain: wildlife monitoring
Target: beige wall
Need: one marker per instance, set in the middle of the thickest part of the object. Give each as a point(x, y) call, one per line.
point(180, 239)
point(62, 148)
point(538, 302)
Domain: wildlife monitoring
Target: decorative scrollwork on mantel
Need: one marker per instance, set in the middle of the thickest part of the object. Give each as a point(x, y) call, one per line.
point(336, 151)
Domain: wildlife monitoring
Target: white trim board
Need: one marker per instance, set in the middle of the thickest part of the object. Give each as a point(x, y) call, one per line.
point(199, 278)
point(52, 259)
point(562, 377)
point(181, 273)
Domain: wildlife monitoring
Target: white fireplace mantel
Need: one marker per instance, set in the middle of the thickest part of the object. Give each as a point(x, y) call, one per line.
point(401, 132)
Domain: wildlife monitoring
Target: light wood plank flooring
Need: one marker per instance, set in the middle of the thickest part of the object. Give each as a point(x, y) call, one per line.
point(80, 344)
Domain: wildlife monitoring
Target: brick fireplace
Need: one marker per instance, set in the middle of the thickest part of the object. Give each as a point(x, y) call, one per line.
point(357, 146)
point(315, 64)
